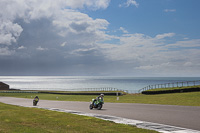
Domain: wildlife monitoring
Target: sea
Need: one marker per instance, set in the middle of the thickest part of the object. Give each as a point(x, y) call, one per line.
point(78, 83)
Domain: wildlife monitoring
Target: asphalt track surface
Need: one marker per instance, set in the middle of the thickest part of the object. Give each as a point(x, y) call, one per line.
point(180, 116)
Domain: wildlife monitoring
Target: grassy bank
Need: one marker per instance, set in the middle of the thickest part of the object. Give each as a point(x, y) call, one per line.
point(174, 88)
point(14, 119)
point(185, 99)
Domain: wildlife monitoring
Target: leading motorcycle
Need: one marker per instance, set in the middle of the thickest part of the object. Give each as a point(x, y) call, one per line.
point(96, 103)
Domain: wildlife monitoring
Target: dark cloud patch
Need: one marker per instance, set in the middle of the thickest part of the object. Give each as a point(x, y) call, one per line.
point(39, 33)
point(79, 27)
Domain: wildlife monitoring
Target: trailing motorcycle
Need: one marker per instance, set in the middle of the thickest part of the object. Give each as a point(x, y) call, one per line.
point(35, 103)
point(97, 103)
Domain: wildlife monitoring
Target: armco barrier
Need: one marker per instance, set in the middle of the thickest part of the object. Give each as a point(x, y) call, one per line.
point(74, 93)
point(85, 93)
point(19, 92)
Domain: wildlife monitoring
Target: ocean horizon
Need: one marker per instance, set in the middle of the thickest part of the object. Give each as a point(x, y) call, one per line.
point(78, 83)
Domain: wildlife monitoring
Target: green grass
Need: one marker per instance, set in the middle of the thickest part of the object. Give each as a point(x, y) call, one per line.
point(14, 119)
point(185, 99)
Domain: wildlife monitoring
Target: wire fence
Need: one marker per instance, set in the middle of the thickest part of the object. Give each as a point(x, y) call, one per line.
point(171, 85)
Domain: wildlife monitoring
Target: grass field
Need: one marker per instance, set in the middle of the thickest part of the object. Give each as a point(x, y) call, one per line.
point(14, 119)
point(185, 99)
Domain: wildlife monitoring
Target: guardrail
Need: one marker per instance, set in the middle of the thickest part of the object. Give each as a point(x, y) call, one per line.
point(19, 92)
point(104, 89)
point(171, 85)
point(95, 89)
point(84, 91)
point(101, 89)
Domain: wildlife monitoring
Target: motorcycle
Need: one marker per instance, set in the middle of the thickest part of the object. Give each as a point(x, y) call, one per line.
point(35, 102)
point(96, 103)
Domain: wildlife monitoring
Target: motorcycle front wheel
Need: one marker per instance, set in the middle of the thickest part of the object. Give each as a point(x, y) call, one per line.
point(91, 106)
point(99, 106)
point(34, 103)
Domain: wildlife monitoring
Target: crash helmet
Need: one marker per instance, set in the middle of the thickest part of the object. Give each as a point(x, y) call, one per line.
point(102, 95)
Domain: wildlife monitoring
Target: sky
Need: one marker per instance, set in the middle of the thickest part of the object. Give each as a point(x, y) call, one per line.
point(138, 38)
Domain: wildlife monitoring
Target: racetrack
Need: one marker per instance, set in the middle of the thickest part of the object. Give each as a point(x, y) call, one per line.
point(180, 116)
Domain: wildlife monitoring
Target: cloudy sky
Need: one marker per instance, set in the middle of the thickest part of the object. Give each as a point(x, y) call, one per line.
point(100, 37)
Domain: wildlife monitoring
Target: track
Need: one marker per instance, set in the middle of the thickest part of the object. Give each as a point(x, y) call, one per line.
point(180, 116)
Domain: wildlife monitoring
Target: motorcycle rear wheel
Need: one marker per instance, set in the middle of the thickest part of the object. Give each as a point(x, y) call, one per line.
point(34, 103)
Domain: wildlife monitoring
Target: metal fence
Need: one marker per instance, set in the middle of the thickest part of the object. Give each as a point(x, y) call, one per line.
point(171, 85)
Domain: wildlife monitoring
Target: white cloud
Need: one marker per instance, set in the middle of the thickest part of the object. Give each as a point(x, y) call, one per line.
point(91, 4)
point(61, 13)
point(63, 44)
point(188, 64)
point(161, 36)
point(6, 52)
point(41, 48)
point(21, 47)
point(170, 10)
point(193, 44)
point(153, 54)
point(9, 32)
point(84, 51)
point(129, 3)
point(123, 30)
point(132, 47)
point(156, 66)
point(77, 22)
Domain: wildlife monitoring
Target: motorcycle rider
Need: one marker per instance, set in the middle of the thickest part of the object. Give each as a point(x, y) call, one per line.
point(97, 99)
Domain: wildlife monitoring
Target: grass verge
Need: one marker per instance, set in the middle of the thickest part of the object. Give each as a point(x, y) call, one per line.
point(14, 119)
point(174, 88)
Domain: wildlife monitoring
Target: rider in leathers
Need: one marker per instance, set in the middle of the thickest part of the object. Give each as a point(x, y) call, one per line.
point(97, 99)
